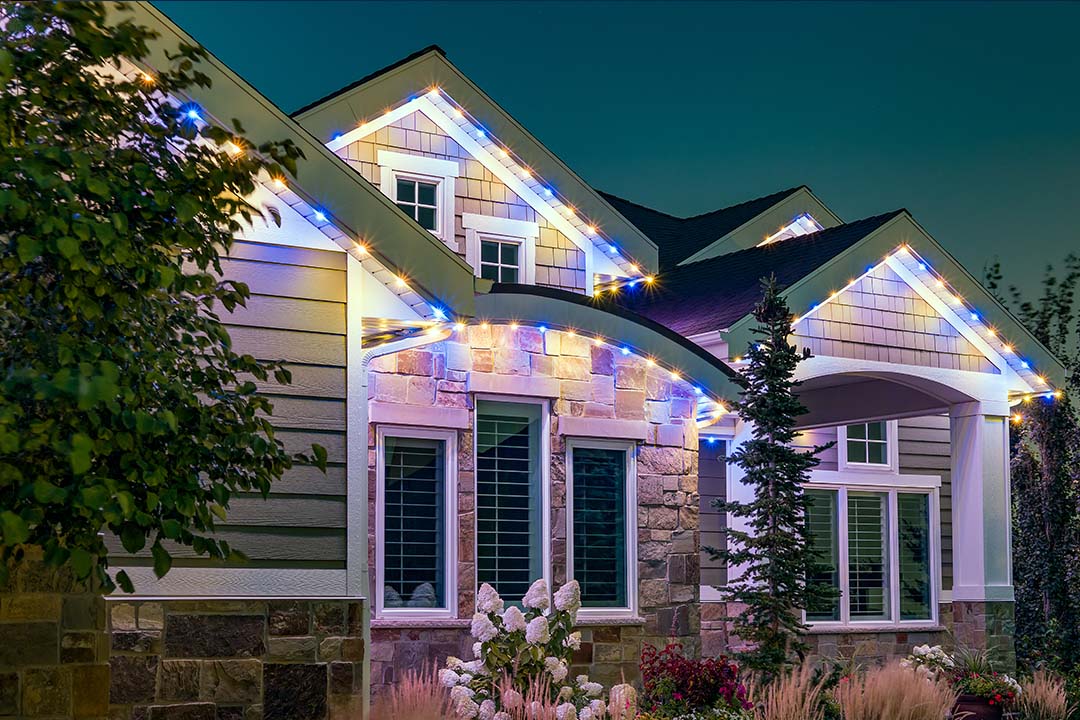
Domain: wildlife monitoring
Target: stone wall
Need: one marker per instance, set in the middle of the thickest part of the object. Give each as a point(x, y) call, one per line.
point(53, 646)
point(587, 384)
point(249, 659)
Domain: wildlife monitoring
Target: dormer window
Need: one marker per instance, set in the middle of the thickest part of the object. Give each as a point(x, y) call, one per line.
point(500, 259)
point(423, 188)
point(500, 249)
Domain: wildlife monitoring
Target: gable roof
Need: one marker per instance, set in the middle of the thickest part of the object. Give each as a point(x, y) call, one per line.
point(420, 73)
point(714, 294)
point(678, 238)
point(325, 181)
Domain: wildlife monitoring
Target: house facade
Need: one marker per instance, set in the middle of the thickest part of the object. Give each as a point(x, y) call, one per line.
point(517, 376)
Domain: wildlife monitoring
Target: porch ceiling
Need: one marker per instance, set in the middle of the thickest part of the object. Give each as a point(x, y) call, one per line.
point(842, 399)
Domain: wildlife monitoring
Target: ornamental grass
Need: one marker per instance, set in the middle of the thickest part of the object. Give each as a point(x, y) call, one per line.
point(794, 696)
point(1044, 698)
point(894, 693)
point(418, 695)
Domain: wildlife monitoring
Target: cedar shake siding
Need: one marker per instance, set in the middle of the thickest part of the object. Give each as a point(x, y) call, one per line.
point(559, 262)
point(296, 313)
point(881, 318)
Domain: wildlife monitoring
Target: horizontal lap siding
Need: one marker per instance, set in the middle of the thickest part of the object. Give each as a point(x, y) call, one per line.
point(712, 485)
point(296, 313)
point(808, 439)
point(925, 450)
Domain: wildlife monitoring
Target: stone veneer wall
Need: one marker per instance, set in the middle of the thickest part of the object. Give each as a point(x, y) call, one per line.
point(582, 380)
point(249, 659)
point(53, 646)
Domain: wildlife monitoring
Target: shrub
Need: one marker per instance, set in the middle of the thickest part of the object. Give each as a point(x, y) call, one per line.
point(894, 693)
point(1044, 698)
point(674, 685)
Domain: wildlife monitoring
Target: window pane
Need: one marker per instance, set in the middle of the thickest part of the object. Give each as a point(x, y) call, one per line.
point(509, 275)
point(868, 567)
point(415, 538)
point(913, 516)
point(875, 453)
point(409, 210)
point(857, 432)
point(509, 254)
point(406, 191)
point(490, 272)
point(507, 499)
point(425, 193)
point(599, 486)
point(489, 251)
point(856, 451)
point(821, 520)
point(426, 217)
point(875, 430)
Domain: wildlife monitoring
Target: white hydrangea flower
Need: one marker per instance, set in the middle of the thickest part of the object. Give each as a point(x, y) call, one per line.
point(477, 649)
point(466, 709)
point(566, 692)
point(557, 668)
point(537, 632)
point(593, 689)
point(513, 619)
point(461, 692)
point(585, 714)
point(454, 663)
point(482, 627)
point(573, 641)
point(580, 680)
point(537, 596)
point(598, 708)
point(473, 666)
point(568, 597)
point(487, 710)
point(466, 679)
point(566, 711)
point(448, 678)
point(487, 600)
point(920, 650)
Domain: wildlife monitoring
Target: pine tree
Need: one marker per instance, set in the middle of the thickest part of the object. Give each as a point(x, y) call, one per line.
point(773, 553)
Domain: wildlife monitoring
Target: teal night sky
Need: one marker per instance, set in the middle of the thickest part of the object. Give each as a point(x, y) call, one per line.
point(967, 114)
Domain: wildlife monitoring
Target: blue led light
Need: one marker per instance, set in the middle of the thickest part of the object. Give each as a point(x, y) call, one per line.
point(336, 136)
point(922, 266)
point(191, 112)
point(975, 317)
point(1024, 364)
point(320, 216)
point(634, 282)
point(438, 312)
point(542, 329)
point(698, 391)
point(711, 440)
point(612, 249)
point(547, 192)
point(481, 134)
point(626, 351)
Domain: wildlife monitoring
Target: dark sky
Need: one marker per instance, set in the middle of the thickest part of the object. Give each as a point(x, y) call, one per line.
point(967, 114)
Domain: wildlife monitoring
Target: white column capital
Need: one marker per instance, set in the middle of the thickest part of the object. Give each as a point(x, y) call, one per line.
point(991, 408)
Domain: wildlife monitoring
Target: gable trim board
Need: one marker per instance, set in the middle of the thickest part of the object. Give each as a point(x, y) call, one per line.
point(430, 68)
point(328, 183)
point(595, 261)
point(902, 230)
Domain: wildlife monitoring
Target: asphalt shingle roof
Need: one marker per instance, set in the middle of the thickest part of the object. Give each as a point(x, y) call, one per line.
point(715, 293)
point(679, 238)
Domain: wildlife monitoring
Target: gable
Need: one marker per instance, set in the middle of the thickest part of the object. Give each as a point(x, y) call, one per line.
point(477, 191)
point(882, 318)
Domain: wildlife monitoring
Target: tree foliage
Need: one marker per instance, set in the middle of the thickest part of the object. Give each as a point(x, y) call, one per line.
point(124, 410)
point(773, 553)
point(1046, 481)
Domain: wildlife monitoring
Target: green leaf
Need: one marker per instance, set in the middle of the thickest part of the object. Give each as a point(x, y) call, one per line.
point(320, 456)
point(170, 529)
point(187, 208)
point(28, 248)
point(219, 512)
point(79, 457)
point(124, 582)
point(68, 246)
point(81, 562)
point(162, 559)
point(132, 538)
point(15, 530)
point(97, 186)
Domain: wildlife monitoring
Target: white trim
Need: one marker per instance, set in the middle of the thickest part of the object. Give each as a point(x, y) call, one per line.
point(356, 446)
point(544, 457)
point(873, 479)
point(630, 518)
point(892, 450)
point(250, 582)
point(387, 413)
point(892, 533)
point(419, 167)
point(449, 439)
point(611, 428)
point(479, 227)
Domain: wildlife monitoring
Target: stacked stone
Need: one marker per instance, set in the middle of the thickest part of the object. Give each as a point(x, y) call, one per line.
point(53, 646)
point(236, 659)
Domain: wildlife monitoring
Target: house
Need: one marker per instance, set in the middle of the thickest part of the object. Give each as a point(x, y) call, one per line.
point(518, 376)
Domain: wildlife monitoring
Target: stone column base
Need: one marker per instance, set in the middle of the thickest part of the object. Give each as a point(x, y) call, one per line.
point(987, 625)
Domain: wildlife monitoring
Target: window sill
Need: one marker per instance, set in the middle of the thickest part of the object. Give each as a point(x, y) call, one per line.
point(874, 628)
point(608, 620)
point(418, 622)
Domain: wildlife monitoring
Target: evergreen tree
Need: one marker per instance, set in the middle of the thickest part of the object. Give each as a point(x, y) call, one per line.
point(773, 552)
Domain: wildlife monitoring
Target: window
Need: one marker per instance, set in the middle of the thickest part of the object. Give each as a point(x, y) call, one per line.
point(875, 548)
point(417, 199)
point(499, 259)
point(414, 546)
point(601, 506)
point(423, 188)
point(499, 249)
point(509, 519)
point(868, 446)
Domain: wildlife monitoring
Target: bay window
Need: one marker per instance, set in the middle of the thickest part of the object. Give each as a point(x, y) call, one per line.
point(602, 519)
point(875, 548)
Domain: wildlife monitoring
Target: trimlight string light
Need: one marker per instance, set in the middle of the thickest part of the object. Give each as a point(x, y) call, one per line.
point(950, 297)
point(545, 190)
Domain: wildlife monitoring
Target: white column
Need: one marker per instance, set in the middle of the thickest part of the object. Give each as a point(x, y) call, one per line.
point(982, 543)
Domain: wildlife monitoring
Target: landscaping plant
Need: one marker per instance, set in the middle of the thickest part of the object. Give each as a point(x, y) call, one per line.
point(1044, 698)
point(772, 559)
point(894, 693)
point(124, 410)
point(793, 695)
point(677, 687)
point(417, 695)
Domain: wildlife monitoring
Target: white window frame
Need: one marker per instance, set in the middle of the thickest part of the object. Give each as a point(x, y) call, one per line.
point(892, 450)
point(523, 232)
point(914, 484)
point(544, 455)
point(424, 169)
point(449, 438)
point(629, 447)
